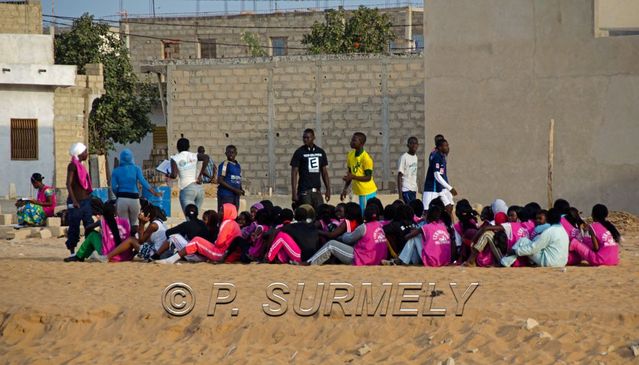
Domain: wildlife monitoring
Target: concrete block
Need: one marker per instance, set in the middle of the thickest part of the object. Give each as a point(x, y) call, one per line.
point(5, 219)
point(45, 233)
point(54, 222)
point(57, 231)
point(18, 234)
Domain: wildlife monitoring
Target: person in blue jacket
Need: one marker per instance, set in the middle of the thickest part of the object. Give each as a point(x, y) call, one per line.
point(124, 183)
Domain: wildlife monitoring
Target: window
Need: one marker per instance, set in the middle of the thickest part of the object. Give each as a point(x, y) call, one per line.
point(419, 42)
point(170, 49)
point(24, 139)
point(614, 18)
point(280, 46)
point(208, 48)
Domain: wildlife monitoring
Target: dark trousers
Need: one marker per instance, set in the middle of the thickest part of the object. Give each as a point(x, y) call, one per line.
point(310, 197)
point(83, 214)
point(233, 199)
point(409, 196)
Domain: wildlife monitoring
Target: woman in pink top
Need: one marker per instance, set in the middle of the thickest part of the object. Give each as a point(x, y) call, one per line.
point(436, 244)
point(601, 247)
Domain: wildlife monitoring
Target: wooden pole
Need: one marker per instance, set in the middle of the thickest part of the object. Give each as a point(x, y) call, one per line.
point(551, 155)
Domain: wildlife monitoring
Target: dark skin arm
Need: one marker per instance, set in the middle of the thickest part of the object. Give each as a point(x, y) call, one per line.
point(400, 177)
point(294, 172)
point(71, 171)
point(485, 229)
point(327, 183)
point(174, 170)
point(412, 233)
point(595, 241)
point(336, 233)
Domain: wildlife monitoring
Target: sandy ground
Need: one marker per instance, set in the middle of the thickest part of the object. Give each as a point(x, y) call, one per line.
point(55, 312)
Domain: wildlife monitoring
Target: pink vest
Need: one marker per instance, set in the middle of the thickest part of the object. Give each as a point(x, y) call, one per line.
point(436, 247)
point(108, 242)
point(49, 211)
point(573, 232)
point(371, 249)
point(517, 230)
point(608, 248)
point(530, 226)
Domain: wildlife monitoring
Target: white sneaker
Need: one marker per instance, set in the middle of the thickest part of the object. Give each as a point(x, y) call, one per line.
point(96, 256)
point(508, 261)
point(169, 260)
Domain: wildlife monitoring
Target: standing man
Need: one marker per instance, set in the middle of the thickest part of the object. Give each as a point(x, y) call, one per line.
point(184, 166)
point(79, 200)
point(359, 171)
point(436, 184)
point(407, 173)
point(309, 162)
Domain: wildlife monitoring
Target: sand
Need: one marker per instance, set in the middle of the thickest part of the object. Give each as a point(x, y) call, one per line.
point(55, 312)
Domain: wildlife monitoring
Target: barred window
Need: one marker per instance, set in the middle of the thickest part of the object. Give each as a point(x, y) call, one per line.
point(24, 139)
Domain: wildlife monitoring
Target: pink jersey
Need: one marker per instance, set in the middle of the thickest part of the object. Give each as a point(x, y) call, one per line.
point(530, 226)
point(436, 247)
point(514, 231)
point(371, 249)
point(608, 249)
point(108, 241)
point(573, 232)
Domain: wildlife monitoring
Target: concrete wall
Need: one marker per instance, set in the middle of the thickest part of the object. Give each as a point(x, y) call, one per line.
point(21, 18)
point(72, 105)
point(263, 105)
point(229, 43)
point(617, 14)
point(498, 71)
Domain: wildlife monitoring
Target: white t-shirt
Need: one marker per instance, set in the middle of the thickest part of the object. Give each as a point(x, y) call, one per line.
point(408, 168)
point(159, 236)
point(187, 167)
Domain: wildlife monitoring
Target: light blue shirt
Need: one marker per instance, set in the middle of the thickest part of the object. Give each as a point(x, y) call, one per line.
point(549, 249)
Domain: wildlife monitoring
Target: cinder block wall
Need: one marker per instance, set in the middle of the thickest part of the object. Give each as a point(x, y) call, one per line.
point(71, 108)
point(21, 18)
point(263, 105)
point(498, 71)
point(145, 42)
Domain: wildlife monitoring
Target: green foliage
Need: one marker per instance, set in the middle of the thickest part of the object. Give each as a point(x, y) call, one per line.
point(253, 43)
point(364, 31)
point(121, 114)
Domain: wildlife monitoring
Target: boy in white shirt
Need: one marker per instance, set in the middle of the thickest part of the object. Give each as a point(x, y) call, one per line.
point(407, 172)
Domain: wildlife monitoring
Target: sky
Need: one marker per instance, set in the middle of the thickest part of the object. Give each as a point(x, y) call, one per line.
point(109, 9)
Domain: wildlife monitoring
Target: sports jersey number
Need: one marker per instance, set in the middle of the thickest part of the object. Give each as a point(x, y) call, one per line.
point(313, 164)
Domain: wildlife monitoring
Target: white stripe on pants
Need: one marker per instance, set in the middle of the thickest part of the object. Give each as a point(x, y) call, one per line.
point(342, 251)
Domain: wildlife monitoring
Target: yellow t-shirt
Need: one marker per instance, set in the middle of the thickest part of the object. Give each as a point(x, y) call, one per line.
point(357, 165)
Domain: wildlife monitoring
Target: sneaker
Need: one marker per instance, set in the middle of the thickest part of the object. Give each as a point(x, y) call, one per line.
point(96, 256)
point(18, 226)
point(73, 258)
point(508, 261)
point(169, 260)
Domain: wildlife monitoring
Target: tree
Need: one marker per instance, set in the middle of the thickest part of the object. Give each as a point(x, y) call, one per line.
point(253, 44)
point(121, 114)
point(365, 31)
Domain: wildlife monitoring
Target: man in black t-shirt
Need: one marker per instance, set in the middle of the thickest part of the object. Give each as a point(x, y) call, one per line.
point(309, 162)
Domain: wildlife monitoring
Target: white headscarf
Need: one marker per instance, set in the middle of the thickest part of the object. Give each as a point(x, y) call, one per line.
point(77, 149)
point(499, 206)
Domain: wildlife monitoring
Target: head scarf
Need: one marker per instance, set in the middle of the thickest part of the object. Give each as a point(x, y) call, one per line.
point(77, 149)
point(499, 206)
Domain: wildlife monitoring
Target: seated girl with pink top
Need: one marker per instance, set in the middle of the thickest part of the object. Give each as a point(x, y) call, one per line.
point(430, 245)
point(601, 248)
point(369, 243)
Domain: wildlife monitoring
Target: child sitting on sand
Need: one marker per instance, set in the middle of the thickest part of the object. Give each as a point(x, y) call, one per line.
point(601, 247)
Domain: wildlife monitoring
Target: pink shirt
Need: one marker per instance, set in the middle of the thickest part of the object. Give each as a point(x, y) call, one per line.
point(436, 246)
point(371, 249)
point(108, 241)
point(608, 248)
point(573, 232)
point(514, 231)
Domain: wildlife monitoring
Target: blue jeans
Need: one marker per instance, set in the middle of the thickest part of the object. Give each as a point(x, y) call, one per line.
point(363, 199)
point(192, 194)
point(412, 252)
point(409, 196)
point(83, 214)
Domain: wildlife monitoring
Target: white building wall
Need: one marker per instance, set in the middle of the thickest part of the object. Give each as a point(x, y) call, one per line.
point(32, 102)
